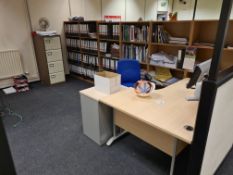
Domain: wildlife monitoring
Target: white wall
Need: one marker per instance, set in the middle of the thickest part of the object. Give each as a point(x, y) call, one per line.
point(90, 9)
point(151, 10)
point(135, 9)
point(15, 34)
point(206, 9)
point(113, 7)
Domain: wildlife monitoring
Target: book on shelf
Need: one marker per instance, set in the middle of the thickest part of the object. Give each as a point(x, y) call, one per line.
point(189, 58)
point(91, 60)
point(89, 45)
point(73, 43)
point(74, 56)
point(84, 28)
point(132, 33)
point(135, 52)
point(161, 35)
point(76, 28)
point(180, 59)
point(110, 31)
point(72, 28)
point(103, 46)
point(116, 31)
point(103, 29)
point(110, 63)
point(86, 72)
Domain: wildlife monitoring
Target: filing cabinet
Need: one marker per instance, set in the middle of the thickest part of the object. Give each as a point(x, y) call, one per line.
point(49, 59)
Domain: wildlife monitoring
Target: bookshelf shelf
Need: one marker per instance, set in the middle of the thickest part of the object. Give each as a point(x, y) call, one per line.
point(109, 33)
point(203, 47)
point(135, 42)
point(87, 38)
point(109, 40)
point(176, 69)
point(169, 45)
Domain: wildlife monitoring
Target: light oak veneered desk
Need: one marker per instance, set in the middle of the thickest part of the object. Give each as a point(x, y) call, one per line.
point(159, 120)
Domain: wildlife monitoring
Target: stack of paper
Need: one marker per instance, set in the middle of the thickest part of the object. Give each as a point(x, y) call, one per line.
point(46, 33)
point(164, 60)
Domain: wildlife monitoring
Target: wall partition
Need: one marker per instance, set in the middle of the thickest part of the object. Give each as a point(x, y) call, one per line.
point(213, 136)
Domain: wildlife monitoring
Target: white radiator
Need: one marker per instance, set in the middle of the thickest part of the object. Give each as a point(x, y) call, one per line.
point(10, 64)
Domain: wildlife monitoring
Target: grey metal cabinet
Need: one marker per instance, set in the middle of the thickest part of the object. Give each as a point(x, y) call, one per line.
point(97, 119)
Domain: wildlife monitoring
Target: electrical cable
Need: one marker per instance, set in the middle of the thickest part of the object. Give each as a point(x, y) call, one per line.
point(4, 110)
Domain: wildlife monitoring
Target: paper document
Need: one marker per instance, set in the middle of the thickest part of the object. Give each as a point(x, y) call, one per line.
point(162, 74)
point(9, 90)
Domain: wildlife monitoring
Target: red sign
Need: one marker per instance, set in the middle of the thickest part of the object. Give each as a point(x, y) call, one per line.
point(112, 18)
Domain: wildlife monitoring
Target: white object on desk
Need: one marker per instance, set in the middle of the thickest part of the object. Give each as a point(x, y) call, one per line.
point(107, 82)
point(197, 93)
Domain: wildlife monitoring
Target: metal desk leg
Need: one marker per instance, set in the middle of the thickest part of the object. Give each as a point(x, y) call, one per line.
point(173, 156)
point(115, 135)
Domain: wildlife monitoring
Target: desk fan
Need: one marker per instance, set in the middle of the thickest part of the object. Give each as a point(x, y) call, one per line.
point(44, 24)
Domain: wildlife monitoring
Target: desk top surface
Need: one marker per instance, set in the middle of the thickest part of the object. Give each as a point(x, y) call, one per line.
point(166, 109)
point(95, 94)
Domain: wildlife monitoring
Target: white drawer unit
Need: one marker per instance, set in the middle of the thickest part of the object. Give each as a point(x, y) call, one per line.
point(56, 67)
point(52, 43)
point(49, 59)
point(57, 77)
point(54, 55)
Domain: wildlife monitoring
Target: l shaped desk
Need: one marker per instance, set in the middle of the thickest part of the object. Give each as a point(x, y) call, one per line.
point(160, 120)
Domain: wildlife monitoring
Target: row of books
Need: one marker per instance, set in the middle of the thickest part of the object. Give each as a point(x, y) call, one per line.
point(75, 56)
point(86, 72)
point(109, 30)
point(110, 64)
point(160, 35)
point(86, 44)
point(88, 59)
point(135, 52)
point(103, 47)
point(91, 60)
point(76, 28)
point(134, 33)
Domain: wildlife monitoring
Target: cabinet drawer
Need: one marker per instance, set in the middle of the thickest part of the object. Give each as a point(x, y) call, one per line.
point(57, 77)
point(52, 43)
point(56, 67)
point(54, 55)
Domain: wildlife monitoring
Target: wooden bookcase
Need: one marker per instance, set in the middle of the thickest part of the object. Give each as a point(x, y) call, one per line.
point(198, 33)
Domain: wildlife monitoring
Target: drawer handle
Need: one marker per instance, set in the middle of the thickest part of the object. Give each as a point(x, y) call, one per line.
point(53, 76)
point(49, 53)
point(51, 65)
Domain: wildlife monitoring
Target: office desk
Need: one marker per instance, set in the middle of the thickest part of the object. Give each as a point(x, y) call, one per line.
point(159, 120)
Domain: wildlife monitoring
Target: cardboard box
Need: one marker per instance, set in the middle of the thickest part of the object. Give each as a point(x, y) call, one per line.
point(107, 82)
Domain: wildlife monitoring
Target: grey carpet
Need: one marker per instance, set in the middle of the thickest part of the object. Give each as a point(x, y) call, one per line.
point(49, 141)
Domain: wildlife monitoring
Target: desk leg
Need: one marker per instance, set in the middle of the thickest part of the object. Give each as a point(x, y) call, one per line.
point(115, 135)
point(173, 156)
